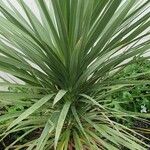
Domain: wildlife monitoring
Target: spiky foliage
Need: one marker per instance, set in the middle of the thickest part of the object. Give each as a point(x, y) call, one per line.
point(66, 58)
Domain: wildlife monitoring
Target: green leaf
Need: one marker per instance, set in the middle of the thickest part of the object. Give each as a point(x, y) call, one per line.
point(21, 137)
point(31, 110)
point(61, 121)
point(49, 127)
point(80, 124)
point(59, 96)
point(77, 140)
point(9, 116)
point(92, 100)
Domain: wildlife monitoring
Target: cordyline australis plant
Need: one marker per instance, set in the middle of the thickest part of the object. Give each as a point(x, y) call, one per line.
point(67, 59)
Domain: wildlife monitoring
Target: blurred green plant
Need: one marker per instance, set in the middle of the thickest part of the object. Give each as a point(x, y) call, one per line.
point(137, 97)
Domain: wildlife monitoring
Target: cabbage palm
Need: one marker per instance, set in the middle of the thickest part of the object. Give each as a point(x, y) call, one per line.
point(66, 59)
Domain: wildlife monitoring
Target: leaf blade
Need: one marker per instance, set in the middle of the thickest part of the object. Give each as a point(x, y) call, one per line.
point(61, 121)
point(30, 110)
